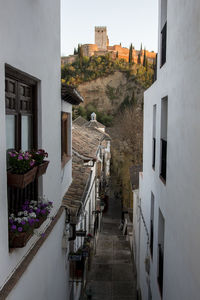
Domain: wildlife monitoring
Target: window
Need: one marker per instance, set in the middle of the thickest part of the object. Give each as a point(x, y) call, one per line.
point(154, 138)
point(160, 269)
point(164, 117)
point(152, 224)
point(65, 145)
point(21, 126)
point(163, 22)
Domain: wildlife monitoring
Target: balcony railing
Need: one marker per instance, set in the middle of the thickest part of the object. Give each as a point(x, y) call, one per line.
point(160, 268)
point(163, 159)
point(154, 153)
point(151, 238)
point(163, 45)
point(17, 196)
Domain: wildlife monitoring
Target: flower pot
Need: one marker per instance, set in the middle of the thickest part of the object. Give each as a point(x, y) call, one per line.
point(21, 180)
point(41, 220)
point(42, 168)
point(19, 240)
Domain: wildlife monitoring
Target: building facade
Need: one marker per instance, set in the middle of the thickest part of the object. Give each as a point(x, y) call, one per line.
point(167, 208)
point(31, 116)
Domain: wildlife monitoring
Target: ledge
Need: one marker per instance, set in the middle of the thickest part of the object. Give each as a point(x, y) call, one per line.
point(10, 284)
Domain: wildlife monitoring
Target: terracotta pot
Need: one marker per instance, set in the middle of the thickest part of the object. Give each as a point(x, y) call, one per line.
point(20, 240)
point(42, 168)
point(21, 180)
point(41, 220)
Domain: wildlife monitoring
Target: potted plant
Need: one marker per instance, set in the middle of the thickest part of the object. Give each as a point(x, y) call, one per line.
point(42, 164)
point(22, 224)
point(22, 169)
point(21, 229)
point(42, 209)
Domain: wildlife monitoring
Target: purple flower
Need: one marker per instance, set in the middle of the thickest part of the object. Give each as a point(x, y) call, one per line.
point(12, 154)
point(37, 220)
point(43, 211)
point(42, 234)
point(20, 229)
point(37, 211)
point(11, 221)
point(30, 210)
point(20, 157)
point(23, 222)
point(13, 227)
point(26, 202)
point(32, 163)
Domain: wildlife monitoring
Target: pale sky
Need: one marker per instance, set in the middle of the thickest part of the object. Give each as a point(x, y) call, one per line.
point(127, 21)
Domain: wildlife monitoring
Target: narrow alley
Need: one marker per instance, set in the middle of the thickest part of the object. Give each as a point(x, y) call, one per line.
point(112, 275)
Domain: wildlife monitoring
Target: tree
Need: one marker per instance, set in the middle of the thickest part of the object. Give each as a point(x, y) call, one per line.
point(145, 58)
point(80, 55)
point(117, 55)
point(139, 59)
point(130, 59)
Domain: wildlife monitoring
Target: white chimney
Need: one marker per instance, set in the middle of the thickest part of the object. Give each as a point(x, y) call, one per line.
point(93, 116)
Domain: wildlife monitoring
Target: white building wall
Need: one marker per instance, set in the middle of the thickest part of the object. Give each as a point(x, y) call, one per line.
point(66, 174)
point(40, 277)
point(178, 200)
point(30, 42)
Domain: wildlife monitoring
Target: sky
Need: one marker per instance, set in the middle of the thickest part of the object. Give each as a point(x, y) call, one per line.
point(127, 21)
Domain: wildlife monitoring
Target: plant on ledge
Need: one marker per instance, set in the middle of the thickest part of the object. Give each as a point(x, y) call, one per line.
point(22, 169)
point(42, 164)
point(22, 224)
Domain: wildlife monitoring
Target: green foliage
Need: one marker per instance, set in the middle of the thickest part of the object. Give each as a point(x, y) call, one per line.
point(111, 93)
point(86, 112)
point(85, 69)
point(128, 102)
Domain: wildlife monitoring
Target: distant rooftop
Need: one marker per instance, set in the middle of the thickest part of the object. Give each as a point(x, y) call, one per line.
point(70, 94)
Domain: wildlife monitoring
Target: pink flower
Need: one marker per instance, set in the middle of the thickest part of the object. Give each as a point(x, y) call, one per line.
point(20, 157)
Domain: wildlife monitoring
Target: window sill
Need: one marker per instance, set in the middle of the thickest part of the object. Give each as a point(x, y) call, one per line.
point(65, 160)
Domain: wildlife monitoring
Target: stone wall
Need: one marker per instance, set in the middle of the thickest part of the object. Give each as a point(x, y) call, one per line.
point(101, 39)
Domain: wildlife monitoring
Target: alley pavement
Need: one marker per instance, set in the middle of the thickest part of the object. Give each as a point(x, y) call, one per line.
point(112, 274)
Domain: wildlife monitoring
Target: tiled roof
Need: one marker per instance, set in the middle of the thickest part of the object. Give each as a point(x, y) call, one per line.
point(76, 193)
point(80, 121)
point(86, 141)
point(70, 94)
point(94, 123)
point(134, 176)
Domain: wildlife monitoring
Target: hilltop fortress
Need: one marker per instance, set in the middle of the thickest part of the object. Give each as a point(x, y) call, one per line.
point(102, 47)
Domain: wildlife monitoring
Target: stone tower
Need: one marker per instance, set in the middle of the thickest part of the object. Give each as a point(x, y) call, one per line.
point(101, 38)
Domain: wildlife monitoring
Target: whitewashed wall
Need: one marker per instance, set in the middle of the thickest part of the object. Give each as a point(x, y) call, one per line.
point(178, 200)
point(47, 266)
point(30, 42)
point(66, 174)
